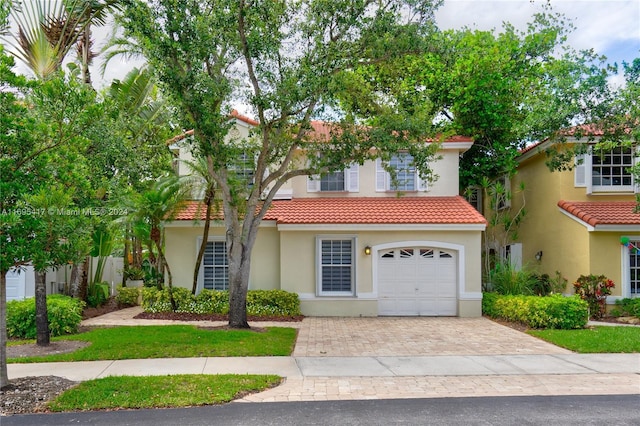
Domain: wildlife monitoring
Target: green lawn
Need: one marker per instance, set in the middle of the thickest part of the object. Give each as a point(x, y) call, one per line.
point(174, 341)
point(160, 391)
point(603, 339)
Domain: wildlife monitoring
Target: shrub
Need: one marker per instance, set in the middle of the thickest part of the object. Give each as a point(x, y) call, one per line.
point(64, 315)
point(541, 284)
point(259, 302)
point(627, 307)
point(505, 279)
point(272, 302)
point(98, 294)
point(154, 300)
point(553, 311)
point(544, 285)
point(558, 283)
point(594, 289)
point(212, 301)
point(127, 296)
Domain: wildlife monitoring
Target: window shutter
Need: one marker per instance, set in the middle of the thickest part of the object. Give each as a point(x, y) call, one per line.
point(313, 183)
point(587, 172)
point(423, 184)
point(381, 177)
point(352, 178)
point(634, 179)
point(580, 171)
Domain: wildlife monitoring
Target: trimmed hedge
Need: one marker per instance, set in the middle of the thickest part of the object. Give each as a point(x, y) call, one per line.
point(64, 314)
point(555, 311)
point(262, 303)
point(127, 296)
point(627, 307)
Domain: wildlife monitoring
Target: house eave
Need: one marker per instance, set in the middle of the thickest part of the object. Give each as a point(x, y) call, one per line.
point(381, 227)
point(601, 227)
point(214, 223)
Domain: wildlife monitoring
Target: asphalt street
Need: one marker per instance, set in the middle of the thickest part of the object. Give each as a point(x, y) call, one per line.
point(539, 410)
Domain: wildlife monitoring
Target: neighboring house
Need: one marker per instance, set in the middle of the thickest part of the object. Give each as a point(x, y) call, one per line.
point(353, 242)
point(578, 220)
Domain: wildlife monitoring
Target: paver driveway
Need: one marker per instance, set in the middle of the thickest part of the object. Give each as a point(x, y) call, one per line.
point(382, 336)
point(414, 336)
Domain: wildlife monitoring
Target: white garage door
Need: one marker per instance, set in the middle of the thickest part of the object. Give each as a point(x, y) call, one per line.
point(417, 281)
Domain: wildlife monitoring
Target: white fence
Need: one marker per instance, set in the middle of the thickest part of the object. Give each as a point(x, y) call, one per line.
point(21, 283)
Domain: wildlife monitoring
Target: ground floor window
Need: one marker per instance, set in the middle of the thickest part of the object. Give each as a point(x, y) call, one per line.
point(215, 266)
point(336, 266)
point(634, 269)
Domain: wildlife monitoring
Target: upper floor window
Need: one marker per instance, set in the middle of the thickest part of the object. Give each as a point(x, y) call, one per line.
point(502, 192)
point(244, 168)
point(607, 171)
point(474, 196)
point(342, 180)
point(405, 175)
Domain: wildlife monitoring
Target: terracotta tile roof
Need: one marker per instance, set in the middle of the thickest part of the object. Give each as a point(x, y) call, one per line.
point(196, 210)
point(235, 114)
point(374, 210)
point(602, 212)
point(322, 131)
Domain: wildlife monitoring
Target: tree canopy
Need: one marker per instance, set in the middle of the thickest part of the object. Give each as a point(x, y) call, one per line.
point(288, 62)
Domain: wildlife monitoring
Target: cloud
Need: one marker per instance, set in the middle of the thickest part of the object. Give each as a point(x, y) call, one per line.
point(602, 25)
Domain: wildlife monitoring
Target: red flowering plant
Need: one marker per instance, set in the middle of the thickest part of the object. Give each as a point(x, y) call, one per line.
point(594, 289)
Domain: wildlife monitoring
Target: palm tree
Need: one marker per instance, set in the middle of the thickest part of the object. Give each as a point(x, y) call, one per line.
point(160, 203)
point(202, 179)
point(47, 30)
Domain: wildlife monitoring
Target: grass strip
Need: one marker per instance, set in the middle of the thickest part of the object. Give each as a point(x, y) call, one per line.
point(122, 392)
point(602, 339)
point(173, 341)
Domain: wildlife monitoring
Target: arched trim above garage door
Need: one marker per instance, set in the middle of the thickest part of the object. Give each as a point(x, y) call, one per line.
point(459, 248)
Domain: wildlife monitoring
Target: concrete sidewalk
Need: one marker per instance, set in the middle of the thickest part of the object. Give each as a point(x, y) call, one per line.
point(382, 358)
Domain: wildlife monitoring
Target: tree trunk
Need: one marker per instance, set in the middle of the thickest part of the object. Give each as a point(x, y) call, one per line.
point(239, 268)
point(73, 281)
point(203, 245)
point(4, 376)
point(169, 276)
point(137, 253)
point(83, 282)
point(42, 318)
point(125, 262)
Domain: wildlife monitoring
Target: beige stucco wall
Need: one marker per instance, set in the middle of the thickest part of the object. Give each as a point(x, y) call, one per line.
point(287, 260)
point(602, 260)
point(182, 249)
point(446, 184)
point(567, 245)
point(298, 266)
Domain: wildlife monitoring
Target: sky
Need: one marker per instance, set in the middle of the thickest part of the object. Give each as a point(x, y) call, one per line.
point(610, 27)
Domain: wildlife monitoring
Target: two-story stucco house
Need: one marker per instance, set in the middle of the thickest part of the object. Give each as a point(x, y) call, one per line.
point(353, 242)
point(581, 221)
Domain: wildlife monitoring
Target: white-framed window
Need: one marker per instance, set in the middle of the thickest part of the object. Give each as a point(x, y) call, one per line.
point(631, 268)
point(244, 168)
point(406, 176)
point(503, 192)
point(336, 265)
point(340, 181)
point(607, 171)
point(474, 196)
point(634, 271)
point(215, 266)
